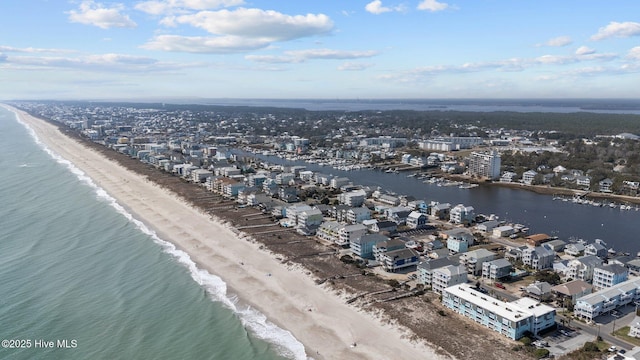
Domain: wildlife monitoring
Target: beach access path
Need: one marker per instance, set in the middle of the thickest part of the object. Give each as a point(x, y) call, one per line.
point(322, 321)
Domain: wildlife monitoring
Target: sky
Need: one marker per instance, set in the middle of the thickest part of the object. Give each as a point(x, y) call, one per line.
point(329, 49)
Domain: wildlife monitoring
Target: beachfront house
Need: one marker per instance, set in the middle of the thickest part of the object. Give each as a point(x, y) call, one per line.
point(496, 269)
point(426, 268)
point(395, 260)
point(349, 233)
point(363, 246)
point(329, 231)
point(309, 221)
point(606, 276)
point(447, 276)
point(381, 248)
point(511, 319)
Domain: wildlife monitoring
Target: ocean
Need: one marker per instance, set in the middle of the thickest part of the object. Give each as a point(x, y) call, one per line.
point(80, 278)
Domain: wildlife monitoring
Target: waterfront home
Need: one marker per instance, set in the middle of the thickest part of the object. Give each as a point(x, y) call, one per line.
point(288, 194)
point(503, 231)
point(538, 258)
point(419, 205)
point(338, 182)
point(416, 220)
point(571, 291)
point(634, 327)
point(590, 306)
point(200, 175)
point(395, 260)
point(582, 267)
point(508, 177)
point(539, 290)
point(379, 249)
point(358, 215)
point(473, 260)
point(605, 185)
point(461, 214)
point(487, 226)
point(389, 199)
point(574, 249)
point(496, 269)
point(606, 276)
point(583, 181)
point(528, 177)
point(537, 239)
point(556, 245)
point(363, 246)
point(511, 319)
point(596, 249)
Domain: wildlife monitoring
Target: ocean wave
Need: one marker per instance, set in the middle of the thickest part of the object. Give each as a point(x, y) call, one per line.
point(254, 321)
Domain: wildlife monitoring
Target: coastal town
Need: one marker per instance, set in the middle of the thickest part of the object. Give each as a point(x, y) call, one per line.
point(541, 295)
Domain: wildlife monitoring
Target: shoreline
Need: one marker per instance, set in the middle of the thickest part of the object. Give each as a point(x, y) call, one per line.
point(285, 297)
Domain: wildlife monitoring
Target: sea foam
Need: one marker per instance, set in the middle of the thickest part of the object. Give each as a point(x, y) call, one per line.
point(254, 321)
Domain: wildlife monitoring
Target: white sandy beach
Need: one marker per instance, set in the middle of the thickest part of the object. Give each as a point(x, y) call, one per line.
point(285, 297)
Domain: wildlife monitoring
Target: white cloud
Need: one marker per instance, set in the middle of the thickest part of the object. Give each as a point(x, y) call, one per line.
point(351, 66)
point(98, 62)
point(158, 7)
point(34, 50)
point(432, 5)
point(204, 44)
point(634, 53)
point(617, 29)
point(585, 50)
point(375, 7)
point(298, 56)
point(91, 13)
point(558, 41)
point(259, 24)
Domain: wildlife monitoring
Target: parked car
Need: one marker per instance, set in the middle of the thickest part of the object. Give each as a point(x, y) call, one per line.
point(499, 285)
point(612, 349)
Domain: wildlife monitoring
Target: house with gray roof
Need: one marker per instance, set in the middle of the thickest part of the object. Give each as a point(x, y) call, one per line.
point(363, 246)
point(496, 269)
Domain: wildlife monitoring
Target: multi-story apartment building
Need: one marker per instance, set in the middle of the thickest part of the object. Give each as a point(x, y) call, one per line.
point(511, 319)
point(600, 302)
point(447, 276)
point(473, 260)
point(606, 276)
point(485, 165)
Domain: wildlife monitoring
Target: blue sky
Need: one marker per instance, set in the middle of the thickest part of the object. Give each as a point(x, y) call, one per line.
point(59, 49)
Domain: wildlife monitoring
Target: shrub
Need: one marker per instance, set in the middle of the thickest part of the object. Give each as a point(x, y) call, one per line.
point(590, 347)
point(541, 353)
point(525, 341)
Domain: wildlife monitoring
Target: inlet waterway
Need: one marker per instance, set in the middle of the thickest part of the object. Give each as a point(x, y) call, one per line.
point(620, 229)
